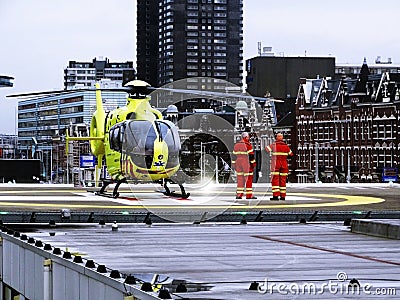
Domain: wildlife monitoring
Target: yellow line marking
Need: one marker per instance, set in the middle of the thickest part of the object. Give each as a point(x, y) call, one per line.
point(347, 201)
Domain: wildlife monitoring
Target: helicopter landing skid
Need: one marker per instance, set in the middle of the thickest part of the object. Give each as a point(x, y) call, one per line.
point(114, 193)
point(168, 192)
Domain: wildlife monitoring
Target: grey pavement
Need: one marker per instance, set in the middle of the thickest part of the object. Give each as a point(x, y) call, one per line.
point(315, 260)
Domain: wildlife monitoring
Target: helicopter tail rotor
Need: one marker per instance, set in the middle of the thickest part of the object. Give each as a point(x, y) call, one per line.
point(97, 126)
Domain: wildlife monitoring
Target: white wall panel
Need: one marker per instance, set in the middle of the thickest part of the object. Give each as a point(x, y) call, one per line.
point(29, 260)
point(59, 281)
point(38, 276)
point(22, 267)
point(15, 266)
point(83, 287)
point(72, 284)
point(96, 290)
point(112, 293)
point(6, 262)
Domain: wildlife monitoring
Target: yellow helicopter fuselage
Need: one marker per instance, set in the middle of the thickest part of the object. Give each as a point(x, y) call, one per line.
point(147, 158)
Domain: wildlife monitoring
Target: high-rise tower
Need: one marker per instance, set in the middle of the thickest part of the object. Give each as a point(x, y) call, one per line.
point(178, 39)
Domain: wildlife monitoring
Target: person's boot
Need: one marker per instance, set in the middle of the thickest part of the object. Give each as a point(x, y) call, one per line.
point(282, 198)
point(238, 196)
point(274, 198)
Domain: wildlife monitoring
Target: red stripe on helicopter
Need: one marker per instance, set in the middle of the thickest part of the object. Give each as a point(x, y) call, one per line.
point(153, 171)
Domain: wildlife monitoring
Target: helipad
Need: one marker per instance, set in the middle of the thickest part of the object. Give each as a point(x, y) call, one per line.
point(220, 197)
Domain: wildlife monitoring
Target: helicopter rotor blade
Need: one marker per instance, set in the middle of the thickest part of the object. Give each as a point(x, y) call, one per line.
point(139, 87)
point(63, 92)
point(34, 94)
point(216, 94)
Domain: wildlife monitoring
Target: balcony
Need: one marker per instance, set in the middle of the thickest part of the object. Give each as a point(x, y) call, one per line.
point(6, 81)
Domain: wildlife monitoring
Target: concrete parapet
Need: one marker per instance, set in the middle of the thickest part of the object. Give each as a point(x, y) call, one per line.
point(386, 228)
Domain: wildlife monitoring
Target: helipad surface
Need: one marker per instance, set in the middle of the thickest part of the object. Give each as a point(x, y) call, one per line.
point(220, 261)
point(218, 198)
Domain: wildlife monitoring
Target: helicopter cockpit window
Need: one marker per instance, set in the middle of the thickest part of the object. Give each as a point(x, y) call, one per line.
point(140, 136)
point(116, 136)
point(169, 134)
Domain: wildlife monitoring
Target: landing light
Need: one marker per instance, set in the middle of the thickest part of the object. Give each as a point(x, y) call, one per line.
point(4, 212)
point(208, 186)
point(124, 212)
point(357, 212)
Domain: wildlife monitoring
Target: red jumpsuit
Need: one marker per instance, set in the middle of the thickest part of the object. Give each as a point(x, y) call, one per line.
point(279, 167)
point(244, 163)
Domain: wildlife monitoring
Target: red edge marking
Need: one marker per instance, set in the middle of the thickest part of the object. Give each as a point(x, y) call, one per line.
point(329, 250)
point(130, 198)
point(180, 199)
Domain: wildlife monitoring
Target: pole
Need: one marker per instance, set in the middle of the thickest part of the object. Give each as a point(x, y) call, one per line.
point(57, 166)
point(316, 162)
point(47, 280)
point(51, 163)
point(348, 166)
point(47, 165)
point(68, 166)
point(201, 162)
point(216, 169)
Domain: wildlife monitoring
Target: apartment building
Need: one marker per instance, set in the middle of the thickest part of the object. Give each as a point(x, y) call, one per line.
point(190, 38)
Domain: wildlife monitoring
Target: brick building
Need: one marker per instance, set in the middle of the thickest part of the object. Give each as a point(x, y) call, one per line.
point(347, 129)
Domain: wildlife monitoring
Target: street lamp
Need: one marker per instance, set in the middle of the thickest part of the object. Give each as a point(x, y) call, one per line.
point(316, 162)
point(203, 161)
point(348, 179)
point(316, 159)
point(49, 161)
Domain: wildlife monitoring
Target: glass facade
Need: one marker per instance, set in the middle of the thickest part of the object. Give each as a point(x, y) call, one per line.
point(46, 117)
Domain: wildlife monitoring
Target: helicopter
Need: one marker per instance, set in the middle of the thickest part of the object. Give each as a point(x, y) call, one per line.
point(134, 141)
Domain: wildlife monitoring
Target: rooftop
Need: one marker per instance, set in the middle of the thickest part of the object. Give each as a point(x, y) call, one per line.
point(220, 261)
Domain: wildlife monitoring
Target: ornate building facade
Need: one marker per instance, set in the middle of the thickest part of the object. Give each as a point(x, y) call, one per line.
point(347, 129)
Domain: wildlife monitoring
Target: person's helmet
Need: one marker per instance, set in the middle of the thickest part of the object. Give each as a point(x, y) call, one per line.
point(245, 135)
point(279, 137)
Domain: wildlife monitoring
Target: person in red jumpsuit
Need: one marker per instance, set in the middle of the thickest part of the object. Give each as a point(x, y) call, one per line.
point(279, 152)
point(244, 163)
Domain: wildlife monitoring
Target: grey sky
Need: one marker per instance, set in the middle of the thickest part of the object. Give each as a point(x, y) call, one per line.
point(39, 37)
